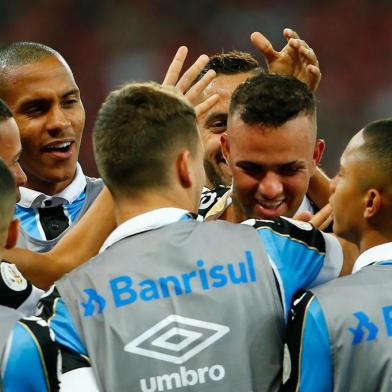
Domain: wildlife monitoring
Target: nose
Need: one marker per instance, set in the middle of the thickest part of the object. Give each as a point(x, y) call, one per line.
point(20, 176)
point(57, 119)
point(270, 186)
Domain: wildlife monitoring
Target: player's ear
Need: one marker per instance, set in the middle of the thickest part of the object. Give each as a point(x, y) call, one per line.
point(373, 203)
point(12, 236)
point(318, 151)
point(184, 169)
point(225, 146)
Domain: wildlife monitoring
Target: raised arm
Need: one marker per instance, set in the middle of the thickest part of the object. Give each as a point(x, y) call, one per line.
point(318, 189)
point(82, 242)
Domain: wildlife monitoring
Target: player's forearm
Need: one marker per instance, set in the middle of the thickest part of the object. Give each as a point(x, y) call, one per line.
point(86, 237)
point(80, 244)
point(318, 189)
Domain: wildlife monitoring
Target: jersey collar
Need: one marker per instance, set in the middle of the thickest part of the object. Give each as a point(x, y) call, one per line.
point(373, 255)
point(33, 199)
point(148, 221)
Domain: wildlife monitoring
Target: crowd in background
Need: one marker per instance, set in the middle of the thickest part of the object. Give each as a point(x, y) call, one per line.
point(108, 42)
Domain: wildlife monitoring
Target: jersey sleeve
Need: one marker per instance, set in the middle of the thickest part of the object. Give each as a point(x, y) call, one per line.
point(31, 358)
point(309, 347)
point(300, 255)
point(53, 309)
point(15, 291)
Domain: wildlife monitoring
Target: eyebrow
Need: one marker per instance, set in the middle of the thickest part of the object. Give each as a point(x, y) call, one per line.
point(262, 164)
point(71, 92)
point(37, 100)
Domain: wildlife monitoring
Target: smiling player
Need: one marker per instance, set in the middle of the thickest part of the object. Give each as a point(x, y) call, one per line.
point(39, 87)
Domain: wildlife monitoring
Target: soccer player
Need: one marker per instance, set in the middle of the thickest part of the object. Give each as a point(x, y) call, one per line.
point(271, 146)
point(233, 68)
point(340, 333)
point(28, 354)
point(169, 299)
point(15, 291)
point(39, 87)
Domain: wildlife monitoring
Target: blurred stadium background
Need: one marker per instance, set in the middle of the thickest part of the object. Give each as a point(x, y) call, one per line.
point(107, 42)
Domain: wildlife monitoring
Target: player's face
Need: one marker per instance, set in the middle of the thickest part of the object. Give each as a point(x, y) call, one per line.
point(212, 125)
point(346, 193)
point(271, 166)
point(47, 108)
point(10, 150)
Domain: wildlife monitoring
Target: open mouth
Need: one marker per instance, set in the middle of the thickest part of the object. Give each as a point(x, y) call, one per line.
point(61, 147)
point(269, 209)
point(270, 205)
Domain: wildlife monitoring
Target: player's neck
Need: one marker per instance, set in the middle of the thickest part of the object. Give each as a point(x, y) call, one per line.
point(47, 188)
point(374, 238)
point(233, 213)
point(130, 207)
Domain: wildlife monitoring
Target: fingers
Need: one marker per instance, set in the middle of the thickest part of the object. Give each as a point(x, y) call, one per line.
point(304, 216)
point(310, 64)
point(183, 84)
point(314, 77)
point(289, 33)
point(308, 54)
point(206, 105)
point(326, 223)
point(195, 91)
point(174, 70)
point(191, 74)
point(264, 45)
point(323, 218)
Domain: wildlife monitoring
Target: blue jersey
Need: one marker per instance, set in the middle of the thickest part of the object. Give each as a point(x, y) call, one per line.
point(336, 332)
point(30, 359)
point(300, 255)
point(46, 219)
point(32, 219)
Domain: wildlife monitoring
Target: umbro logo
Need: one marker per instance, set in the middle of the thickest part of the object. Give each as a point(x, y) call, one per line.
point(176, 339)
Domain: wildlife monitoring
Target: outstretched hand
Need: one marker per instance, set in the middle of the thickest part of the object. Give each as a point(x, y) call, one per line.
point(296, 58)
point(184, 83)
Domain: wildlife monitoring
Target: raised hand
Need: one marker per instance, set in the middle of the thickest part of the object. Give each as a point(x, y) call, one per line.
point(296, 58)
point(184, 84)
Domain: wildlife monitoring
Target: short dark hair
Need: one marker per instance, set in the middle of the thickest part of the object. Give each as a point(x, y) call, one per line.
point(7, 197)
point(5, 111)
point(21, 53)
point(271, 99)
point(378, 144)
point(138, 128)
point(230, 63)
point(24, 52)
